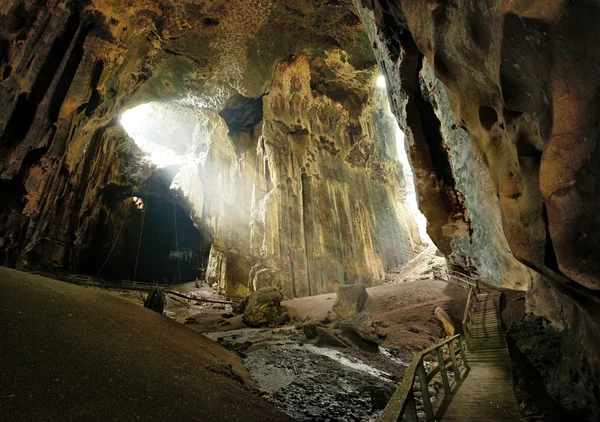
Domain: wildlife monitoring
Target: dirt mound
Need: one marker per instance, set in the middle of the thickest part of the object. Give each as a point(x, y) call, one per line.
point(69, 353)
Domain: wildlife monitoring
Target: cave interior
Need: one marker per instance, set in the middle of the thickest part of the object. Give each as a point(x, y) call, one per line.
point(300, 149)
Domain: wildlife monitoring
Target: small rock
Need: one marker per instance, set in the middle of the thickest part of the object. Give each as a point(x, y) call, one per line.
point(241, 308)
point(362, 326)
point(381, 324)
point(382, 336)
point(310, 331)
point(326, 320)
point(282, 319)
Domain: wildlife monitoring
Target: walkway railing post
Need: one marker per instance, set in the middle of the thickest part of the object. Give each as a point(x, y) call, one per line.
point(443, 372)
point(467, 334)
point(454, 361)
point(402, 403)
point(425, 392)
point(462, 353)
point(411, 410)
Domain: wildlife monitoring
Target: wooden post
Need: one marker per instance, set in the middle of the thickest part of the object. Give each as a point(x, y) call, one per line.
point(467, 334)
point(454, 362)
point(440, 357)
point(410, 411)
point(425, 392)
point(462, 352)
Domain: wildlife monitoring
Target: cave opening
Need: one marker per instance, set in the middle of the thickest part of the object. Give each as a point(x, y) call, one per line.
point(167, 242)
point(407, 170)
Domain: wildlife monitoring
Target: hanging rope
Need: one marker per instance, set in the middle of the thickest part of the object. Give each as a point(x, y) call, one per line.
point(114, 243)
point(142, 228)
point(176, 243)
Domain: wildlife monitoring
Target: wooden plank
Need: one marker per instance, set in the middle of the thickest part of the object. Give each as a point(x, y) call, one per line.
point(486, 394)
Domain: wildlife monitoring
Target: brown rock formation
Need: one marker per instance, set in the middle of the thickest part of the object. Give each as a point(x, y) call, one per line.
point(292, 193)
point(513, 77)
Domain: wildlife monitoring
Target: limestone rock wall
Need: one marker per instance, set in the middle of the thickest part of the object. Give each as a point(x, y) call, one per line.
point(454, 188)
point(510, 78)
point(305, 193)
point(329, 203)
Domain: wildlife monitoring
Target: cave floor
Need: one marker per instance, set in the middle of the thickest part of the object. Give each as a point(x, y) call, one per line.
point(314, 382)
point(71, 353)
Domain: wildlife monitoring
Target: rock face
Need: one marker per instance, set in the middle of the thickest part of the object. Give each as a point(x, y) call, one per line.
point(263, 308)
point(509, 78)
point(292, 181)
point(350, 300)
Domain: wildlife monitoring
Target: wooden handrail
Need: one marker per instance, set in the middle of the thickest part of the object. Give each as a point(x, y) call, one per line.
point(468, 306)
point(466, 322)
point(402, 402)
point(460, 277)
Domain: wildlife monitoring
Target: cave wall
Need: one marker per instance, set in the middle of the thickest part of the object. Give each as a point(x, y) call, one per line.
point(312, 195)
point(516, 113)
point(454, 188)
point(266, 188)
point(333, 205)
point(68, 170)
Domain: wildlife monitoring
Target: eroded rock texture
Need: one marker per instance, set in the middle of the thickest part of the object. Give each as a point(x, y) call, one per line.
point(516, 80)
point(294, 182)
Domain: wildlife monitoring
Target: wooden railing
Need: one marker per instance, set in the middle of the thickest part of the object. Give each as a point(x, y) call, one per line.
point(466, 322)
point(402, 404)
point(460, 278)
point(137, 285)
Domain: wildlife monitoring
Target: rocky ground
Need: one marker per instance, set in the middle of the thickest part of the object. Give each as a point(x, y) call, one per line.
point(321, 379)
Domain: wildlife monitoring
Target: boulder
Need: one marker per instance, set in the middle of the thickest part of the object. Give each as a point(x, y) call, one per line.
point(331, 337)
point(310, 330)
point(446, 321)
point(362, 325)
point(263, 308)
point(350, 300)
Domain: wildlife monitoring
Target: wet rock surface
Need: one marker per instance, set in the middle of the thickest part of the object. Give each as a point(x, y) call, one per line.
point(309, 382)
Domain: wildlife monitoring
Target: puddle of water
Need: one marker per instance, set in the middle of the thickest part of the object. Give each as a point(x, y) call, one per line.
point(350, 362)
point(388, 354)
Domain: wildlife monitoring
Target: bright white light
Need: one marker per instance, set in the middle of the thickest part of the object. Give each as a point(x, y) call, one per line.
point(381, 81)
point(172, 134)
point(411, 195)
point(146, 125)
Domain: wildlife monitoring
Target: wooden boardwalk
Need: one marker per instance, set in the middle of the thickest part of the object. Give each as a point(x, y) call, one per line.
point(486, 394)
